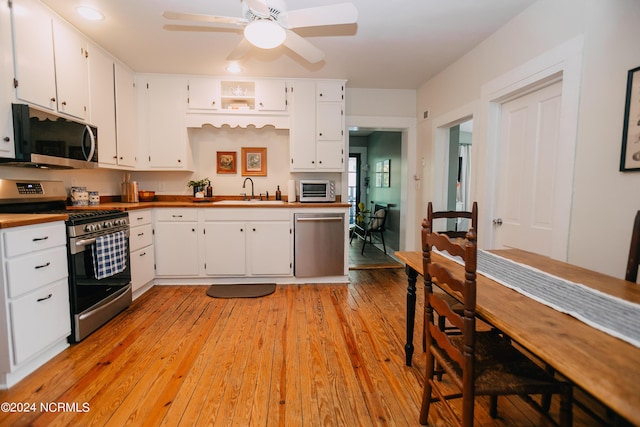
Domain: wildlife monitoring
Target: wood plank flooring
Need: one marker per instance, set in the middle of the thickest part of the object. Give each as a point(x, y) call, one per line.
point(307, 355)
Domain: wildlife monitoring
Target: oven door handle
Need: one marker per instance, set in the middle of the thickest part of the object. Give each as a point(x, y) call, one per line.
point(85, 242)
point(77, 246)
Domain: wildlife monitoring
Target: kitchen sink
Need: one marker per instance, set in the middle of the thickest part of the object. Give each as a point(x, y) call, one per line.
point(249, 202)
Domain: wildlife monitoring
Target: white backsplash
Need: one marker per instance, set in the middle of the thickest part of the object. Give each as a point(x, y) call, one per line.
point(205, 143)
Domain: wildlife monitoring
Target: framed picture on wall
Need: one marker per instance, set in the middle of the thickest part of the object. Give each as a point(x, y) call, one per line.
point(226, 162)
point(254, 161)
point(383, 173)
point(630, 158)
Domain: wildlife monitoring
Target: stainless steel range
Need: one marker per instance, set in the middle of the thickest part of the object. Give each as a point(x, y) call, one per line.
point(97, 252)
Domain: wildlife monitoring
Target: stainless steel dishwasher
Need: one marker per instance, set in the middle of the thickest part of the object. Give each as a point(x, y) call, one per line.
point(319, 240)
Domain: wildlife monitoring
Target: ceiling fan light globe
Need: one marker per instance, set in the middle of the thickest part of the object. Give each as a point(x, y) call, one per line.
point(265, 34)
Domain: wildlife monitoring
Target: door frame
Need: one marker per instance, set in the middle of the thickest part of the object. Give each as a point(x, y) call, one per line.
point(565, 62)
point(407, 127)
point(440, 154)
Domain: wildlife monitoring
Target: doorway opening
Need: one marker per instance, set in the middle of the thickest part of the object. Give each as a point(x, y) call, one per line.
point(354, 192)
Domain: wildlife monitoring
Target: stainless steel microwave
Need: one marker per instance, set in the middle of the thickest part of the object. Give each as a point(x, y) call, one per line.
point(44, 139)
point(317, 190)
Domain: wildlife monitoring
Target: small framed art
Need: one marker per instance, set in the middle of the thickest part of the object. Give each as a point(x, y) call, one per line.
point(226, 162)
point(630, 158)
point(254, 161)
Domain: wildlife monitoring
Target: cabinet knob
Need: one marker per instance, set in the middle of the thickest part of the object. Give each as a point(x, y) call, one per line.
point(52, 99)
point(6, 139)
point(64, 102)
point(261, 104)
point(213, 102)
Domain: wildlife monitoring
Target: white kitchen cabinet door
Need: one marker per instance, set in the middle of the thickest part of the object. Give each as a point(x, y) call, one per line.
point(269, 248)
point(103, 108)
point(39, 319)
point(176, 248)
point(166, 101)
point(225, 248)
point(72, 70)
point(125, 106)
point(330, 91)
point(142, 263)
point(330, 155)
point(204, 94)
point(302, 135)
point(330, 121)
point(271, 95)
point(34, 62)
point(7, 147)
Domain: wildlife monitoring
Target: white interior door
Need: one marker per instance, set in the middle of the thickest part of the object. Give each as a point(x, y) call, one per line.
point(525, 212)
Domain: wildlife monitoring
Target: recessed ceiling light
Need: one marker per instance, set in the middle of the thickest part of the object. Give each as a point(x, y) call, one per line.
point(234, 68)
point(89, 13)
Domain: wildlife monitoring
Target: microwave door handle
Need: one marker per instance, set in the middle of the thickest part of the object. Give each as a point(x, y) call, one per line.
point(92, 138)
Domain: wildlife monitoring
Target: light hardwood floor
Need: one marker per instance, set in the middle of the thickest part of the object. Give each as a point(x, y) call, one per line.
point(310, 355)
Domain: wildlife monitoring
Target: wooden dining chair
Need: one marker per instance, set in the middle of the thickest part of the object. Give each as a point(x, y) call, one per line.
point(454, 232)
point(476, 363)
point(375, 224)
point(634, 252)
point(450, 230)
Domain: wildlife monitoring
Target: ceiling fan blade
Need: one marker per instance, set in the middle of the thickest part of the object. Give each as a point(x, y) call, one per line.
point(204, 18)
point(240, 50)
point(258, 8)
point(201, 28)
point(336, 14)
point(303, 48)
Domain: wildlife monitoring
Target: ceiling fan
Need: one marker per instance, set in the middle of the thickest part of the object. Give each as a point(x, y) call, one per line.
point(267, 24)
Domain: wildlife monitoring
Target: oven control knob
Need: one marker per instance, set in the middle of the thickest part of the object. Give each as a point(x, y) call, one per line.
point(107, 224)
point(92, 227)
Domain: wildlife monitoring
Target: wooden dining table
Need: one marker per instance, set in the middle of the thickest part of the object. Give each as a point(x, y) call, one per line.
point(604, 366)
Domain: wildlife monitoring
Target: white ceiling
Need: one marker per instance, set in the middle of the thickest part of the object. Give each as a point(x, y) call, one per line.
point(397, 44)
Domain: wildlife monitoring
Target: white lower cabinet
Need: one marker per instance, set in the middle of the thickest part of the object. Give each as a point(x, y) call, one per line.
point(39, 318)
point(142, 248)
point(176, 242)
point(35, 318)
point(248, 242)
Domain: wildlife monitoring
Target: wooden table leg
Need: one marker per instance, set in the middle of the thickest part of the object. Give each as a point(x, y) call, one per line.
point(412, 276)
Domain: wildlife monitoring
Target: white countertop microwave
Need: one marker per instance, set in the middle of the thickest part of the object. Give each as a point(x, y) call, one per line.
point(317, 190)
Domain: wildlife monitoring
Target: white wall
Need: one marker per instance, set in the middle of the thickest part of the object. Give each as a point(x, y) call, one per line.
point(604, 200)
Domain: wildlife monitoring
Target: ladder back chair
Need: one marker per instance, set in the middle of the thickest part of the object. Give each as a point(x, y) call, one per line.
point(472, 217)
point(634, 252)
point(476, 363)
point(376, 223)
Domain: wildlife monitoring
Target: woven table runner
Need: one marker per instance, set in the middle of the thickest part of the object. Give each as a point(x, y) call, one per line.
point(607, 313)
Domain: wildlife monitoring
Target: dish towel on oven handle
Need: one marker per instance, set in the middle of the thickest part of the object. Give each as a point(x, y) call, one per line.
point(110, 254)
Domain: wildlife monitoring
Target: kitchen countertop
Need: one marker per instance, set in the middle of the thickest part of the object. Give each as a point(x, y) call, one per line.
point(207, 204)
point(18, 220)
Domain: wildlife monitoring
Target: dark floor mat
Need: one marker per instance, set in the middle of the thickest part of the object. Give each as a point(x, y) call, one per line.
point(249, 290)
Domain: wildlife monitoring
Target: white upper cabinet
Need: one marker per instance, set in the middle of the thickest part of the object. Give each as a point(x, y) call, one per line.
point(204, 93)
point(271, 95)
point(125, 98)
point(51, 67)
point(72, 70)
point(113, 110)
point(103, 108)
point(237, 102)
point(162, 134)
point(33, 54)
point(7, 147)
point(317, 141)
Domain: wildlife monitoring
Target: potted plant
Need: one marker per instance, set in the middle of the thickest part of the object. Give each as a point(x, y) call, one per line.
point(199, 186)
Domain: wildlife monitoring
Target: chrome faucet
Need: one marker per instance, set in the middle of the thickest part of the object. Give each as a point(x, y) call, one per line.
point(244, 186)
